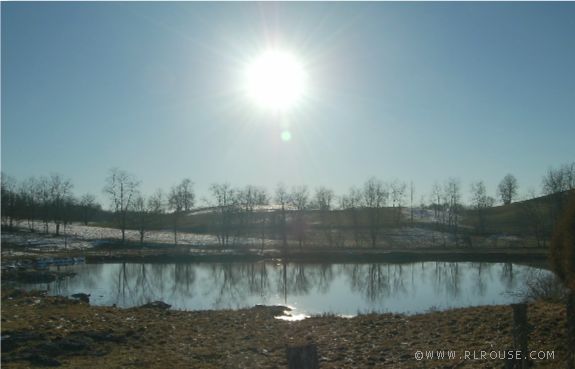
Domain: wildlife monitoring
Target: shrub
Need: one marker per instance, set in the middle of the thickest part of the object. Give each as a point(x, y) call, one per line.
point(562, 253)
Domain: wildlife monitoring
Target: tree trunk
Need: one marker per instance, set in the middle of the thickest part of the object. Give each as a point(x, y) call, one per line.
point(175, 228)
point(123, 226)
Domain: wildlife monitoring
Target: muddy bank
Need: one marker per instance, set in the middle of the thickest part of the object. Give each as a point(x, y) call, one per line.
point(317, 254)
point(54, 331)
point(33, 276)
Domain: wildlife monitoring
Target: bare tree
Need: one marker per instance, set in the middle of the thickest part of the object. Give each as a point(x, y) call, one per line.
point(181, 200)
point(437, 204)
point(282, 198)
point(436, 194)
point(261, 200)
point(52, 197)
point(556, 185)
point(323, 199)
point(300, 200)
point(29, 194)
point(507, 189)
point(559, 180)
point(480, 202)
point(157, 202)
point(141, 216)
point(9, 199)
point(60, 197)
point(247, 202)
point(375, 197)
point(122, 189)
point(226, 204)
point(88, 207)
point(535, 213)
point(67, 210)
point(44, 200)
point(249, 198)
point(145, 211)
point(352, 204)
point(569, 173)
point(398, 189)
point(411, 194)
point(452, 202)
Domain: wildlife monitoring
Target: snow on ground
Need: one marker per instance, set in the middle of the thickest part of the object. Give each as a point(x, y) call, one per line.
point(78, 236)
point(414, 237)
point(38, 241)
point(419, 215)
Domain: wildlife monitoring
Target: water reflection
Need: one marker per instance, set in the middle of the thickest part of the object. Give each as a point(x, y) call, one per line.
point(311, 288)
point(446, 278)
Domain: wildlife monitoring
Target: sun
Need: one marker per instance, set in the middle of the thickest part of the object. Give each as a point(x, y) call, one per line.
point(275, 80)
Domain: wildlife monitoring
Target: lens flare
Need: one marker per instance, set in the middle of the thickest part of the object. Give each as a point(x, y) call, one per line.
point(286, 136)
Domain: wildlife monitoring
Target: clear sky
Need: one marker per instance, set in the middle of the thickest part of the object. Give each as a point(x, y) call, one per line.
point(413, 91)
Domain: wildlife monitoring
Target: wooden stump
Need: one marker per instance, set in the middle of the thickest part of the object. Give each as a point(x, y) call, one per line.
point(302, 357)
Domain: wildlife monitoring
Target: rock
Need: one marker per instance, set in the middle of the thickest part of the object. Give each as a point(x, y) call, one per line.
point(273, 310)
point(156, 305)
point(82, 297)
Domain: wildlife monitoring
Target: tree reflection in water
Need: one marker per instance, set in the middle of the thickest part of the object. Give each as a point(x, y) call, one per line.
point(184, 281)
point(508, 276)
point(376, 281)
point(258, 279)
point(227, 280)
point(446, 279)
point(344, 288)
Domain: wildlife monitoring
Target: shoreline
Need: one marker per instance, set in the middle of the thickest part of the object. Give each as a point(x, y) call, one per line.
point(45, 328)
point(132, 252)
point(333, 256)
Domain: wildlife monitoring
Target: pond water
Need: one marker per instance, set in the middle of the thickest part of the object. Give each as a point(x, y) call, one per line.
point(345, 289)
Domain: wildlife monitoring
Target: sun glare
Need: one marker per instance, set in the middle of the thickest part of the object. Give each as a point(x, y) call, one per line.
point(275, 80)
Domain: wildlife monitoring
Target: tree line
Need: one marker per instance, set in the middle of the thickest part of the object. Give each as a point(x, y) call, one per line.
point(286, 214)
point(45, 200)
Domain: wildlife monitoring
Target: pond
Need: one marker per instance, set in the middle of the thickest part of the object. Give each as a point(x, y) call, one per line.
point(345, 289)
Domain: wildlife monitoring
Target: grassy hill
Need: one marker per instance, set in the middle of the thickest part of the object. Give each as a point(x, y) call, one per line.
point(529, 220)
point(523, 218)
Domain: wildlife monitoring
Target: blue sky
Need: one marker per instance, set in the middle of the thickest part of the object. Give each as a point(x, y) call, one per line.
point(409, 91)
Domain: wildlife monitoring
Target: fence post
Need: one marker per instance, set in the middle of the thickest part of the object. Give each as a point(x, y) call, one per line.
point(571, 330)
point(302, 357)
point(520, 334)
